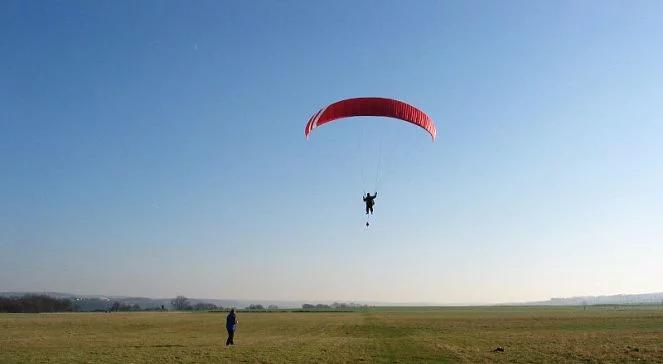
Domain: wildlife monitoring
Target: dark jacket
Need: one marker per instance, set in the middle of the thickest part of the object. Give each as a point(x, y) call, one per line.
point(369, 199)
point(231, 320)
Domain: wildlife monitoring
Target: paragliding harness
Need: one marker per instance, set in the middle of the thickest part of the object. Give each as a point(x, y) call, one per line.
point(370, 202)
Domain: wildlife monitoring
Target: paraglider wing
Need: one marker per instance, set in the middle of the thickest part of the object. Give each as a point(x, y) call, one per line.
point(371, 106)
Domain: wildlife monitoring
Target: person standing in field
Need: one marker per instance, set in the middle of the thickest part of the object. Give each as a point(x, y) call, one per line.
point(231, 325)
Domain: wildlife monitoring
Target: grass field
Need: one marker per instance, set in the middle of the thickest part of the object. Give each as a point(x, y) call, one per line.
point(468, 334)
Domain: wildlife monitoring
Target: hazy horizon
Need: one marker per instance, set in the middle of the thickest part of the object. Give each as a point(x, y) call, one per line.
point(651, 297)
point(157, 149)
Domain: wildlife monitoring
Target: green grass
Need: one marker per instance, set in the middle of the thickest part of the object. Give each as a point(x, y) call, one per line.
point(455, 334)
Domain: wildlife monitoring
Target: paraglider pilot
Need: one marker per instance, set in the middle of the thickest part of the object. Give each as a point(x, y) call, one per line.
point(369, 200)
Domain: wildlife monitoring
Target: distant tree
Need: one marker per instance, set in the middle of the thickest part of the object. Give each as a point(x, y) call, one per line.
point(180, 303)
point(123, 307)
point(204, 306)
point(319, 306)
point(272, 307)
point(255, 307)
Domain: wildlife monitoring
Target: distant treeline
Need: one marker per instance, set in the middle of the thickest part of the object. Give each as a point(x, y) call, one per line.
point(333, 306)
point(35, 303)
point(32, 303)
point(310, 307)
point(182, 303)
point(258, 307)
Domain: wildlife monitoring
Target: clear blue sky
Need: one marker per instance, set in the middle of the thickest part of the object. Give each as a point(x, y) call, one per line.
point(156, 148)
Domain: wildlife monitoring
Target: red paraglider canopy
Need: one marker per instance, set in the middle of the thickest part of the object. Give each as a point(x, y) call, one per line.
point(371, 106)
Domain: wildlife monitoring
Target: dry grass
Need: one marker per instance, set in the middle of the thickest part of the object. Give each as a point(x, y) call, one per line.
point(380, 335)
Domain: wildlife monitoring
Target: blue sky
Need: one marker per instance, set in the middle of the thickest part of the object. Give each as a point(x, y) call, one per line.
point(156, 148)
